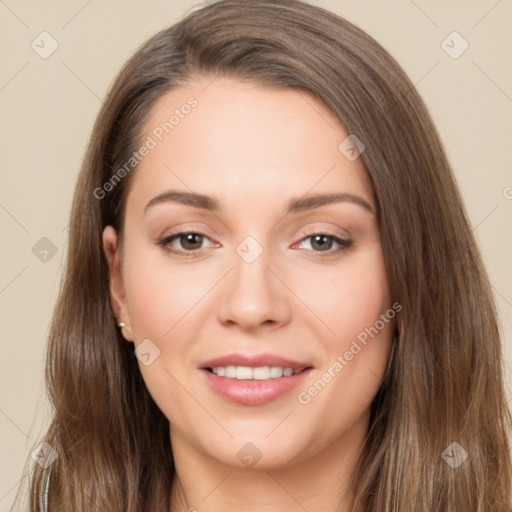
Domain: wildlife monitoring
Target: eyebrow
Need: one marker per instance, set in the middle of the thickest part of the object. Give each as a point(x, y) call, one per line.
point(295, 205)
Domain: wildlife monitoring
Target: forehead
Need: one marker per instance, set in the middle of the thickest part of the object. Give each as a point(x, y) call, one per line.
point(240, 141)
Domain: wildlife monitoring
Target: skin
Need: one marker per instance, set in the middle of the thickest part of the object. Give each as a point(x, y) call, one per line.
point(254, 148)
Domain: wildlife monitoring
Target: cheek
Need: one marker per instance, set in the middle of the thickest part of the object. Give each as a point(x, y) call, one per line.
point(347, 298)
point(160, 299)
point(354, 322)
point(158, 294)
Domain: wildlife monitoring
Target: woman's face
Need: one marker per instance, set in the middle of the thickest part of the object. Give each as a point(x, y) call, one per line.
point(259, 289)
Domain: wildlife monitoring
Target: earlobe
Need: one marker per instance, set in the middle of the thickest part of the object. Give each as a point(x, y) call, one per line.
point(117, 295)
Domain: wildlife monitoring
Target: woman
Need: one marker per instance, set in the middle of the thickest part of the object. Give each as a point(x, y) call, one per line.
point(273, 298)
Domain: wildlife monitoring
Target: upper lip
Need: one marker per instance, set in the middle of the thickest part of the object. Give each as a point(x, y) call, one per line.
point(254, 361)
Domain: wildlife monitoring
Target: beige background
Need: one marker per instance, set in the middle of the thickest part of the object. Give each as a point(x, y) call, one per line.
point(48, 106)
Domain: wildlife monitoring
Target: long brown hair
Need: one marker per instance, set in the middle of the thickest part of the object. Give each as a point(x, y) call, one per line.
point(444, 383)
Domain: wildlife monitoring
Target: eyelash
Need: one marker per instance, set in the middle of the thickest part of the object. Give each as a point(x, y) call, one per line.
point(166, 241)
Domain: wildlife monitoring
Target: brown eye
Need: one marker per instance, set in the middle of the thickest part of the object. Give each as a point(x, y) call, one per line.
point(324, 242)
point(190, 241)
point(185, 243)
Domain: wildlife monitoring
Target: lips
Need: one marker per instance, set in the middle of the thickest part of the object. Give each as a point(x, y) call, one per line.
point(254, 361)
point(250, 373)
point(253, 380)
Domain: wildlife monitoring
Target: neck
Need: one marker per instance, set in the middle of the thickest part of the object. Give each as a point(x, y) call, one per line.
point(320, 483)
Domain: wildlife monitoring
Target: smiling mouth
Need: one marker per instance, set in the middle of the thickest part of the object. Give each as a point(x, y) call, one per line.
point(255, 373)
point(254, 383)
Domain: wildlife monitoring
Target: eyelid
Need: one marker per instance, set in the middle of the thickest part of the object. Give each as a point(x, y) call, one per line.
point(318, 230)
point(184, 229)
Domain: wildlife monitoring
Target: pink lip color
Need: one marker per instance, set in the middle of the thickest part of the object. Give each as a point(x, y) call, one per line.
point(249, 391)
point(253, 392)
point(254, 361)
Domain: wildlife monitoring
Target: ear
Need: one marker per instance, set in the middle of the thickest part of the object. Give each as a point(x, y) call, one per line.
point(117, 295)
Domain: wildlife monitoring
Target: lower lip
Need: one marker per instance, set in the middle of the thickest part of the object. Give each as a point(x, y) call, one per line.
point(253, 392)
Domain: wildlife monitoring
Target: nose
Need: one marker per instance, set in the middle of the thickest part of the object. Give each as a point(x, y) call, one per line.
point(253, 295)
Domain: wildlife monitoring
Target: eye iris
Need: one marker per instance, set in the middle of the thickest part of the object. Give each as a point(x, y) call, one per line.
point(322, 241)
point(190, 238)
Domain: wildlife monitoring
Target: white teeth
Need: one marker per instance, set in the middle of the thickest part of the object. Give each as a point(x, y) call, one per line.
point(258, 373)
point(276, 372)
point(243, 372)
point(261, 373)
point(230, 372)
